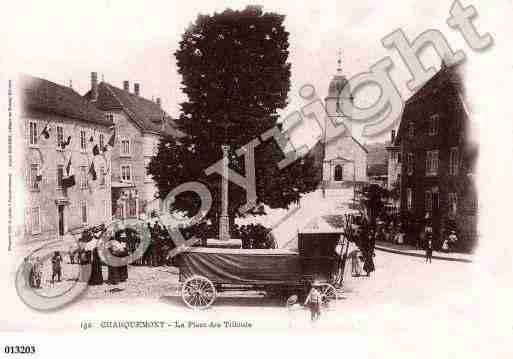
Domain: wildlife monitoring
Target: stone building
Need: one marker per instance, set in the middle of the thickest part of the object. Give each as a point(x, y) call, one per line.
point(139, 125)
point(393, 163)
point(345, 159)
point(438, 159)
point(58, 132)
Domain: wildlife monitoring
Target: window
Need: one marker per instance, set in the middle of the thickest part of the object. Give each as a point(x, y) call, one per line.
point(125, 147)
point(411, 129)
point(453, 161)
point(60, 137)
point(34, 172)
point(60, 175)
point(338, 173)
point(126, 174)
point(410, 163)
point(110, 117)
point(147, 167)
point(431, 199)
point(428, 201)
point(82, 140)
point(433, 124)
point(33, 133)
point(83, 177)
point(102, 176)
point(453, 203)
point(132, 207)
point(102, 141)
point(409, 198)
point(35, 220)
point(432, 163)
point(83, 212)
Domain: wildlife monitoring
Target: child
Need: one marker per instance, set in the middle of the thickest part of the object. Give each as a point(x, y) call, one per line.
point(314, 302)
point(36, 274)
point(56, 266)
point(429, 247)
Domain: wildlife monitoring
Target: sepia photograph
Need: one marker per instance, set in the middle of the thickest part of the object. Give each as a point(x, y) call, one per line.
point(227, 168)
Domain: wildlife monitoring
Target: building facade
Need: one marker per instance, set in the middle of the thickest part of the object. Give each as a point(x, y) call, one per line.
point(393, 164)
point(59, 130)
point(139, 124)
point(438, 158)
point(345, 159)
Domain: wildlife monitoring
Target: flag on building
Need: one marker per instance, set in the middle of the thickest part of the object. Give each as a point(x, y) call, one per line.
point(92, 171)
point(112, 139)
point(110, 142)
point(66, 143)
point(69, 180)
point(39, 175)
point(46, 132)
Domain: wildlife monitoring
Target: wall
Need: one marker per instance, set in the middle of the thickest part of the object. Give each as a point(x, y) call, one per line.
point(150, 148)
point(345, 147)
point(126, 129)
point(49, 156)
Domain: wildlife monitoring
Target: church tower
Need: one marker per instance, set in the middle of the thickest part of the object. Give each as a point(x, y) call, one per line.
point(338, 91)
point(344, 159)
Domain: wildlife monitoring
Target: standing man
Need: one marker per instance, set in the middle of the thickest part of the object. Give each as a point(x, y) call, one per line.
point(429, 246)
point(56, 266)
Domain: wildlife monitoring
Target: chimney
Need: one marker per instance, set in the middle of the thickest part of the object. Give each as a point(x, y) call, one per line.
point(392, 137)
point(126, 86)
point(136, 89)
point(94, 86)
point(158, 102)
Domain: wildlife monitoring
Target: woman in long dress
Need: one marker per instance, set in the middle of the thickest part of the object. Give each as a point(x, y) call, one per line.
point(113, 272)
point(96, 269)
point(123, 270)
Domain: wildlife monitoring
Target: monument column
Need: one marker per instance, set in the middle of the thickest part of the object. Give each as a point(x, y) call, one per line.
point(224, 223)
point(224, 240)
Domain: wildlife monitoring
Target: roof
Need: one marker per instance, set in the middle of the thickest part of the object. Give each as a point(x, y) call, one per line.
point(50, 98)
point(146, 114)
point(377, 169)
point(359, 144)
point(446, 75)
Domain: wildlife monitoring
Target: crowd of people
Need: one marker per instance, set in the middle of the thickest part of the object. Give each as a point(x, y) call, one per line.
point(84, 253)
point(418, 234)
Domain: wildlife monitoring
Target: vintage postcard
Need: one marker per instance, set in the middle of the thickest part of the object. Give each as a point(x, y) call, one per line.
point(202, 168)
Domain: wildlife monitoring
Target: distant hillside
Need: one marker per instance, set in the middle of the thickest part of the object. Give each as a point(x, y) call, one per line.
point(377, 153)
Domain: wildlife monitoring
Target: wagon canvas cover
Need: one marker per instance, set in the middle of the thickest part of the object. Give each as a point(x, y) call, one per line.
point(241, 266)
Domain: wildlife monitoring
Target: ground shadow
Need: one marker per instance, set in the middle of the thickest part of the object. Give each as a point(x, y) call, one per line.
point(224, 301)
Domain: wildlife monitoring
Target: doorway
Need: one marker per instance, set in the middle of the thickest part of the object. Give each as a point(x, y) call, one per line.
point(60, 216)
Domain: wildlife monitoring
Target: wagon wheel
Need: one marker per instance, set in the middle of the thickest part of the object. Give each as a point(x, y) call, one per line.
point(198, 292)
point(328, 294)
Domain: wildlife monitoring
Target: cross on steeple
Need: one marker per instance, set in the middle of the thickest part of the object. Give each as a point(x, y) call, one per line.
point(339, 61)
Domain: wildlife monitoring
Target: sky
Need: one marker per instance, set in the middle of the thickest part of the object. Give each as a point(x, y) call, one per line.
point(65, 41)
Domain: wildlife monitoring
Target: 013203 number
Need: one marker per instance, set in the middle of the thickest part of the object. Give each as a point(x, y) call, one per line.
point(19, 349)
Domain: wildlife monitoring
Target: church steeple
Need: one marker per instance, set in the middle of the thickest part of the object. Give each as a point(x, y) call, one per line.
point(339, 81)
point(339, 63)
point(338, 92)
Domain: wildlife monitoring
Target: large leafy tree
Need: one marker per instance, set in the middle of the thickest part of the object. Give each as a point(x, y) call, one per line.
point(236, 76)
point(373, 199)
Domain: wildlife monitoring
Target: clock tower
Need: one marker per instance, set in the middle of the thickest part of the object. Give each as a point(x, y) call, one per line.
point(338, 91)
